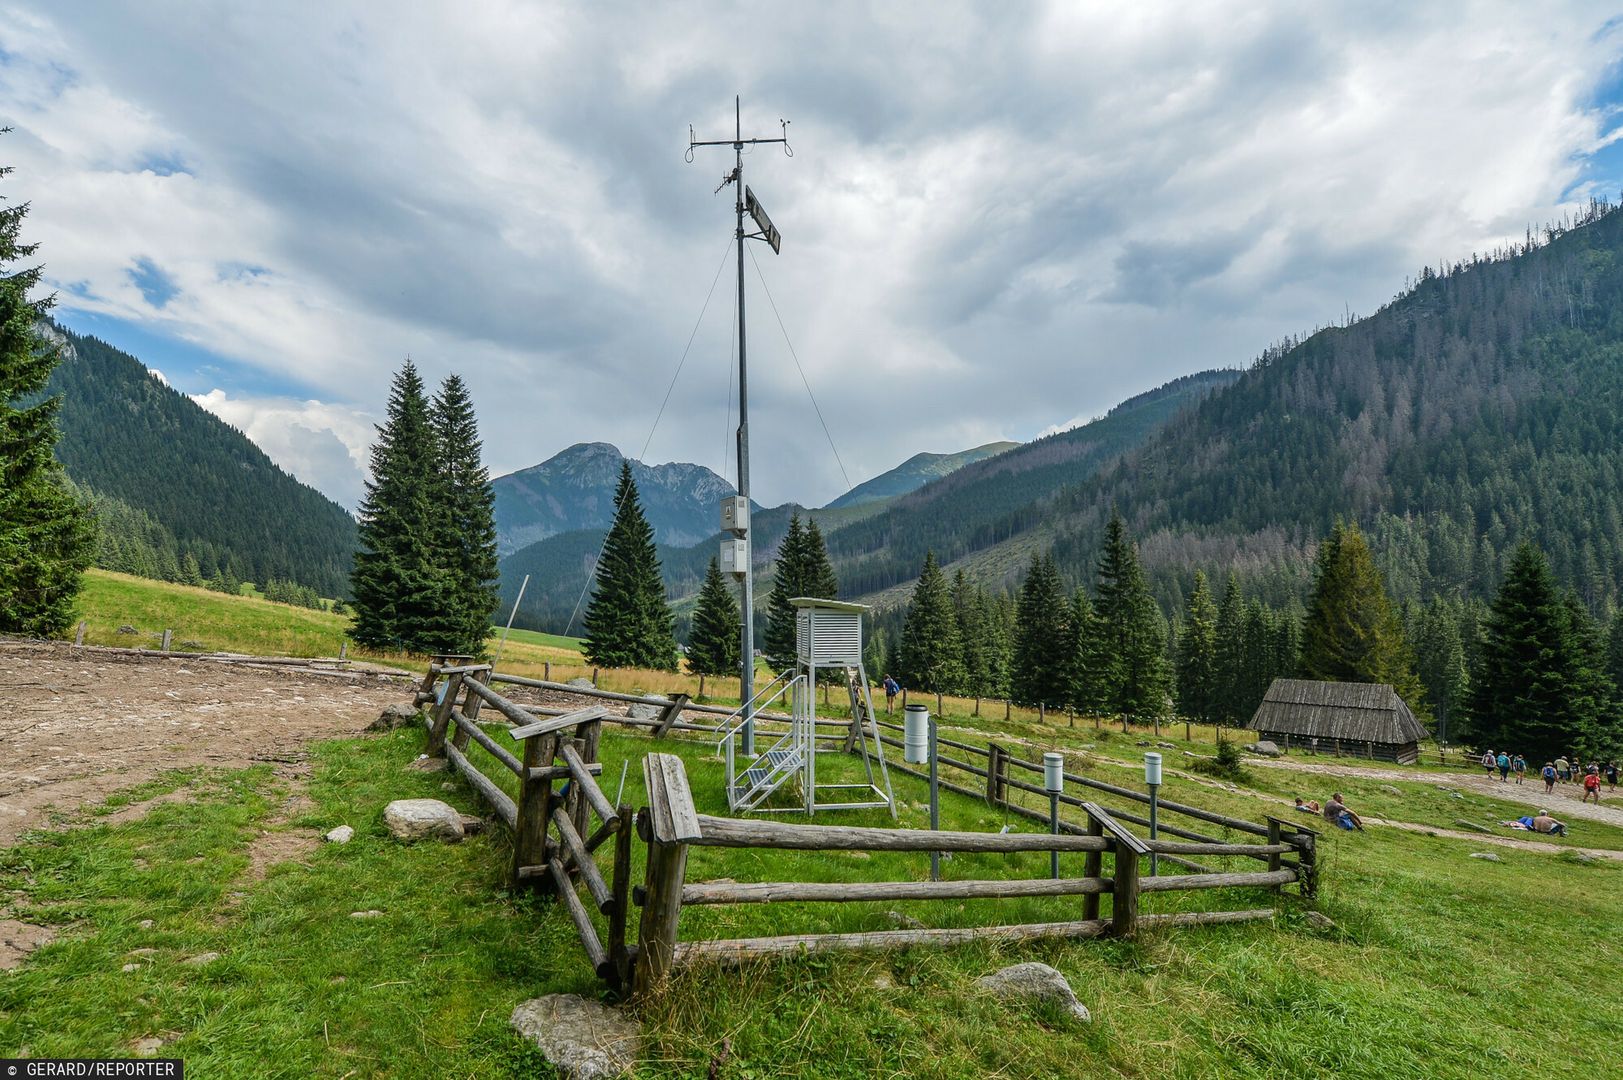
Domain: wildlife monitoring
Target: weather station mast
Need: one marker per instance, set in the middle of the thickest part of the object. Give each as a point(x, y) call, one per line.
point(735, 510)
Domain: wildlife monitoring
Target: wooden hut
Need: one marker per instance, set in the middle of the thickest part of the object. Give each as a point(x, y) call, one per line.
point(1357, 719)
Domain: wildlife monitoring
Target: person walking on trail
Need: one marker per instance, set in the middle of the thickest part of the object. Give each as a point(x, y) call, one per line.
point(1519, 767)
point(1611, 775)
point(1503, 761)
point(1549, 778)
point(1546, 824)
point(1592, 784)
point(1563, 771)
point(1487, 762)
point(1336, 812)
point(892, 688)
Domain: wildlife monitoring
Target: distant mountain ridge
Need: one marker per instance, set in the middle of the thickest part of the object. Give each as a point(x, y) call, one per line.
point(128, 435)
point(574, 489)
point(915, 472)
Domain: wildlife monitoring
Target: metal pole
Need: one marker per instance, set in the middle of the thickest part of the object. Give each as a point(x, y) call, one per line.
point(1053, 830)
point(935, 805)
point(1154, 805)
point(502, 644)
point(746, 652)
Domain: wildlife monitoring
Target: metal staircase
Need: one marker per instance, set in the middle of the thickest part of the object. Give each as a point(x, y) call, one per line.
point(764, 773)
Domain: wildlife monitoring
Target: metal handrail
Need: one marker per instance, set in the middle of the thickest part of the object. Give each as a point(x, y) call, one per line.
point(732, 721)
point(726, 741)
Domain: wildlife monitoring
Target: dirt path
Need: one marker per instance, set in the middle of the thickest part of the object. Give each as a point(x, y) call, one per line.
point(1565, 802)
point(83, 724)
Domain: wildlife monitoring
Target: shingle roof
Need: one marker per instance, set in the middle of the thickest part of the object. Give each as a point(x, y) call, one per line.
point(1351, 712)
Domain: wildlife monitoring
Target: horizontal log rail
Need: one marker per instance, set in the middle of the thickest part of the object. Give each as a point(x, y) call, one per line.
point(853, 892)
point(758, 833)
point(1264, 879)
point(739, 950)
point(498, 799)
point(495, 749)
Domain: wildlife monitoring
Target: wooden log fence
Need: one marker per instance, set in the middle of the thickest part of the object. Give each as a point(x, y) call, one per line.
point(558, 833)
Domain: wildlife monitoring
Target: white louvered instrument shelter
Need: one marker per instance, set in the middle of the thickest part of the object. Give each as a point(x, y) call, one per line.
point(828, 633)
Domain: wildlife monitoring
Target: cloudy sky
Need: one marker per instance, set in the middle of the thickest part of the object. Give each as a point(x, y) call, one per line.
point(998, 218)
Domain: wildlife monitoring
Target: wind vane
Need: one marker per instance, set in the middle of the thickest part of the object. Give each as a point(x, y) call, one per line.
point(735, 509)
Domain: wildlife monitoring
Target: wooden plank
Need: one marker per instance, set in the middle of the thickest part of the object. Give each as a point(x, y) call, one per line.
point(1124, 897)
point(1273, 841)
point(529, 728)
point(534, 808)
point(849, 892)
point(670, 803)
point(1116, 830)
point(564, 772)
point(662, 908)
point(736, 832)
point(1262, 879)
point(498, 799)
point(578, 915)
point(672, 713)
point(581, 858)
point(581, 775)
point(1176, 847)
point(442, 717)
point(471, 730)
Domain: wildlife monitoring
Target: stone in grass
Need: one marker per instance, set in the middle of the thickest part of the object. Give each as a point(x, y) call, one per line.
point(1473, 826)
point(370, 913)
point(147, 1047)
point(1390, 790)
point(1318, 920)
point(582, 683)
point(585, 1040)
point(1035, 982)
point(639, 710)
point(130, 967)
point(424, 763)
point(1265, 747)
point(201, 959)
point(395, 716)
point(423, 819)
point(471, 825)
point(341, 835)
point(1486, 856)
point(906, 922)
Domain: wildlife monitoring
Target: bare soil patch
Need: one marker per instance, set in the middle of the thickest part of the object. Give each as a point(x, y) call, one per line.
point(18, 939)
point(84, 723)
point(269, 848)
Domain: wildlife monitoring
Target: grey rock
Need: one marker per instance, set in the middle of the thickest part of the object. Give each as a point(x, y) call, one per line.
point(147, 1047)
point(1473, 826)
point(126, 629)
point(1390, 790)
point(422, 819)
point(1264, 747)
point(428, 764)
point(143, 952)
point(584, 1040)
point(1456, 795)
point(201, 959)
point(1486, 856)
point(146, 924)
point(1035, 982)
point(472, 826)
point(1167, 745)
point(1142, 742)
point(370, 913)
point(1318, 920)
point(131, 967)
point(394, 716)
point(447, 786)
point(906, 922)
point(583, 683)
point(638, 710)
point(1190, 753)
point(341, 835)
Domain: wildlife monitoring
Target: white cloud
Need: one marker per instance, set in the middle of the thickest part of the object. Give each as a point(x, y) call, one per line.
point(990, 222)
point(323, 445)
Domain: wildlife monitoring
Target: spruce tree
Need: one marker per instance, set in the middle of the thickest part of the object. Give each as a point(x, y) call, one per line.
point(1440, 663)
point(628, 623)
point(970, 610)
point(1041, 660)
point(713, 641)
point(1085, 656)
point(1592, 694)
point(1614, 652)
point(1228, 686)
point(47, 534)
point(466, 523)
point(1521, 692)
point(1134, 675)
point(396, 584)
point(802, 569)
point(931, 655)
point(1352, 633)
point(1197, 654)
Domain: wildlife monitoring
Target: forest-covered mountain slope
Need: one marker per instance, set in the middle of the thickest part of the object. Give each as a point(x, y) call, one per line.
point(991, 501)
point(1482, 407)
point(559, 566)
point(574, 489)
point(128, 435)
point(915, 472)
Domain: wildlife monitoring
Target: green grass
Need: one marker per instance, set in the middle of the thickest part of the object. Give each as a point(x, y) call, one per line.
point(1440, 967)
point(535, 637)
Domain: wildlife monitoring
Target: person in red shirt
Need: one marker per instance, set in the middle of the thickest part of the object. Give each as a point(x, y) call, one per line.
point(1592, 785)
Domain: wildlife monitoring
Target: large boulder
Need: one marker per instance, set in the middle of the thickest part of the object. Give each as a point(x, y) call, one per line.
point(641, 710)
point(1035, 982)
point(1264, 747)
point(583, 683)
point(423, 819)
point(394, 716)
point(584, 1040)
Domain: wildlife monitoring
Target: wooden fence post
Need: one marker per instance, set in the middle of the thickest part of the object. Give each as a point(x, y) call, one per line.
point(1309, 869)
point(619, 957)
point(442, 716)
point(546, 671)
point(1092, 866)
point(343, 649)
point(471, 705)
point(594, 679)
point(166, 636)
point(79, 638)
point(977, 704)
point(1124, 899)
point(1042, 712)
point(1273, 838)
point(534, 813)
point(1008, 706)
point(667, 825)
point(992, 752)
point(701, 686)
point(938, 705)
point(673, 713)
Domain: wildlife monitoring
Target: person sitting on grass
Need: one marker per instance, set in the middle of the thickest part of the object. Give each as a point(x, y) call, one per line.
point(1336, 812)
point(1311, 806)
point(1546, 824)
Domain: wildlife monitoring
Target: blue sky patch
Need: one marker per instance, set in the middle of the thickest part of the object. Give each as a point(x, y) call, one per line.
point(156, 286)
